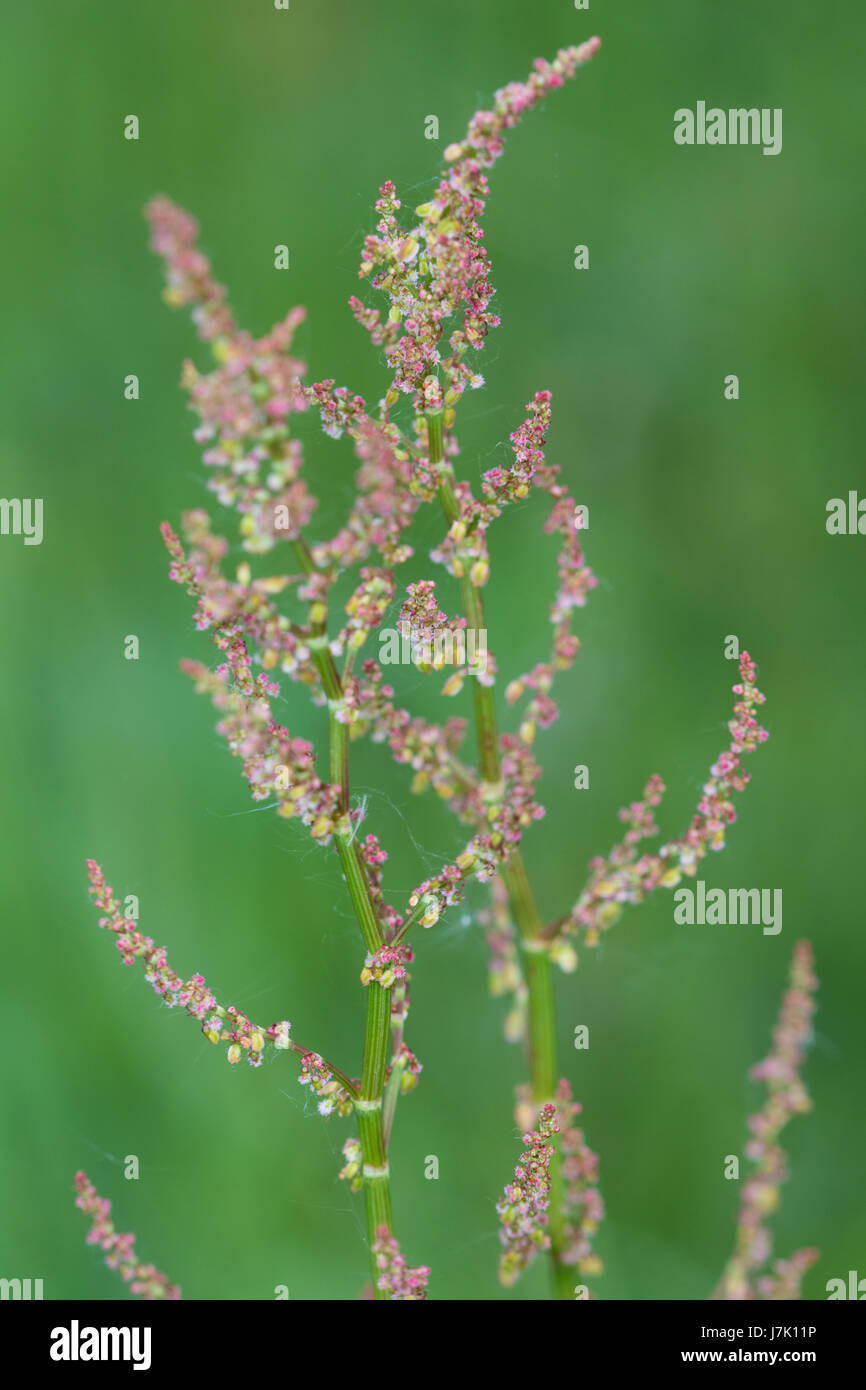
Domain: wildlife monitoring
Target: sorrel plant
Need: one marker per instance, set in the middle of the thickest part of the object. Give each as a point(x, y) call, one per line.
point(428, 320)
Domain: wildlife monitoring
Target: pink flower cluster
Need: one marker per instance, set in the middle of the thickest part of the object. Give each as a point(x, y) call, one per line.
point(576, 579)
point(174, 236)
point(277, 766)
point(426, 625)
point(333, 1095)
point(583, 1208)
point(626, 878)
point(243, 618)
point(144, 1280)
point(439, 267)
point(523, 1210)
point(408, 1067)
point(504, 812)
point(464, 552)
point(217, 1023)
point(245, 403)
point(388, 964)
point(366, 607)
point(396, 1279)
point(388, 490)
point(786, 1097)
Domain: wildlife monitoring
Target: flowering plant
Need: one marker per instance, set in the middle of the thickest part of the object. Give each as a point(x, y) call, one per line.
point(273, 618)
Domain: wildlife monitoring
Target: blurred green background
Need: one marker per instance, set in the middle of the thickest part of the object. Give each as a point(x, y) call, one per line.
point(706, 518)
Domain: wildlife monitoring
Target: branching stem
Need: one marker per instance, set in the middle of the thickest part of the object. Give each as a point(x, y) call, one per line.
point(524, 910)
point(377, 1186)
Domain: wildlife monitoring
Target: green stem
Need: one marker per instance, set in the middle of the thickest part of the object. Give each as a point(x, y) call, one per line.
point(359, 891)
point(377, 1183)
point(368, 1105)
point(348, 849)
point(538, 969)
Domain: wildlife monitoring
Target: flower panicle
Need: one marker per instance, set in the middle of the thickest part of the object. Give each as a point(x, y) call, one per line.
point(145, 1281)
point(581, 1209)
point(242, 604)
point(426, 627)
point(523, 1207)
point(582, 1205)
point(576, 579)
point(438, 268)
point(189, 279)
point(277, 766)
point(624, 877)
point(387, 496)
point(504, 812)
point(464, 552)
point(395, 1279)
point(759, 1196)
point(244, 404)
point(218, 1024)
